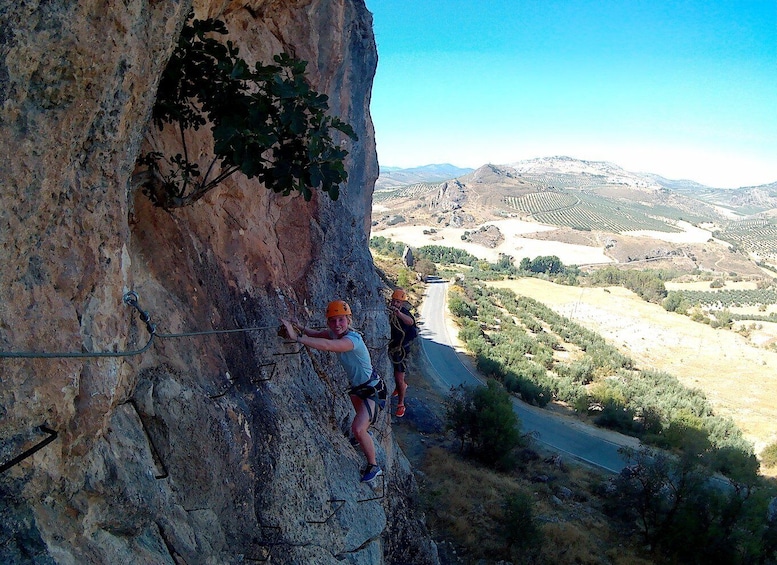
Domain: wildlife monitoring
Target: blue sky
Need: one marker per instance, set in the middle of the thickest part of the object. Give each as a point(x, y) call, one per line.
point(684, 89)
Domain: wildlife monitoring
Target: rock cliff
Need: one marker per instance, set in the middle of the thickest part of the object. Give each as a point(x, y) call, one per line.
point(195, 447)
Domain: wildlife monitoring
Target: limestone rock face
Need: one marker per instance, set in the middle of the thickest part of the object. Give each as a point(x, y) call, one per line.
point(191, 446)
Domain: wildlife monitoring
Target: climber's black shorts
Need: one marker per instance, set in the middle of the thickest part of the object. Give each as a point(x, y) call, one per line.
point(399, 358)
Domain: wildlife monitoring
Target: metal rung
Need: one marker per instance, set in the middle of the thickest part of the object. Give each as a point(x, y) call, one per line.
point(382, 488)
point(38, 446)
point(252, 380)
point(338, 501)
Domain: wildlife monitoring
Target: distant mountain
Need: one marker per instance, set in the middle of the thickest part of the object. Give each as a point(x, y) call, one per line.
point(674, 184)
point(561, 173)
point(567, 169)
point(392, 177)
point(594, 203)
point(561, 190)
point(615, 174)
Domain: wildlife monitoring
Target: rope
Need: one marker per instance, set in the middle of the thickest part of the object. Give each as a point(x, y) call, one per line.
point(214, 332)
point(398, 349)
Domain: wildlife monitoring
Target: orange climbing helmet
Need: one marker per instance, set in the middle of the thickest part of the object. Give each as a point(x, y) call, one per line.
point(399, 294)
point(338, 308)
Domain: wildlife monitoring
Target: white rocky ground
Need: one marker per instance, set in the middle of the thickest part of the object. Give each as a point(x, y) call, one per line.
point(513, 244)
point(691, 234)
point(519, 247)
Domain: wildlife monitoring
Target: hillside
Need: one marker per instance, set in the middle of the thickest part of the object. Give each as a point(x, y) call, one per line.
point(393, 177)
point(623, 216)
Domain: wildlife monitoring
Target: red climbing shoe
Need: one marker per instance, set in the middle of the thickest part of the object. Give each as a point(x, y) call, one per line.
point(400, 410)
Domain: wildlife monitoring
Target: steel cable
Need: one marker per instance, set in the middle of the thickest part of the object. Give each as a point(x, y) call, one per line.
point(131, 299)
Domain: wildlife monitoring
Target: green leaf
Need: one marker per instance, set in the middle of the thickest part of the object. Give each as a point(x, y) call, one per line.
point(266, 121)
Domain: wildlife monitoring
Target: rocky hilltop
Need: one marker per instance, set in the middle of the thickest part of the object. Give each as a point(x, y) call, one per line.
point(188, 447)
point(587, 213)
point(493, 185)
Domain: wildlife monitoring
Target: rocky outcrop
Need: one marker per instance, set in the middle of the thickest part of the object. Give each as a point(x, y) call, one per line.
point(407, 257)
point(450, 196)
point(488, 236)
point(193, 446)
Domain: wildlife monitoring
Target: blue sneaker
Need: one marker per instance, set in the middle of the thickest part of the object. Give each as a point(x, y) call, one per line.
point(370, 473)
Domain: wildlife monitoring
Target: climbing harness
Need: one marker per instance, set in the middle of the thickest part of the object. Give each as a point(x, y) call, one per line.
point(374, 390)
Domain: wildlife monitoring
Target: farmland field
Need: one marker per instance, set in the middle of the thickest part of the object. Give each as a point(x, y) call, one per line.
point(738, 378)
point(588, 212)
point(407, 191)
point(758, 237)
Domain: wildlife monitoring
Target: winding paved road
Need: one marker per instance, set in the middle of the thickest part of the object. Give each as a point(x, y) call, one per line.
point(556, 432)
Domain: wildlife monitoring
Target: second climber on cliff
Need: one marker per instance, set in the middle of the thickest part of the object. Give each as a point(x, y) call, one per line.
point(403, 332)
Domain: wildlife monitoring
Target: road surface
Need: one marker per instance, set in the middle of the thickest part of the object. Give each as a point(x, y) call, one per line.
point(556, 432)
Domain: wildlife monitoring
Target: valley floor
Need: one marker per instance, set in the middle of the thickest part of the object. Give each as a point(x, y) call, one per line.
point(738, 378)
point(514, 244)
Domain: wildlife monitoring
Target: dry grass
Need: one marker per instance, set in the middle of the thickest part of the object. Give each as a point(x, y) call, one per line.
point(578, 543)
point(738, 378)
point(463, 503)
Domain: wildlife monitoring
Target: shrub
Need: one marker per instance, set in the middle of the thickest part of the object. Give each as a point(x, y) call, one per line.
point(581, 372)
point(386, 246)
point(490, 367)
point(769, 455)
point(460, 307)
point(405, 278)
point(446, 255)
point(675, 302)
point(520, 530)
point(685, 518)
point(484, 421)
point(425, 267)
point(266, 122)
point(615, 416)
point(538, 394)
point(549, 264)
point(470, 330)
point(570, 391)
point(686, 432)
